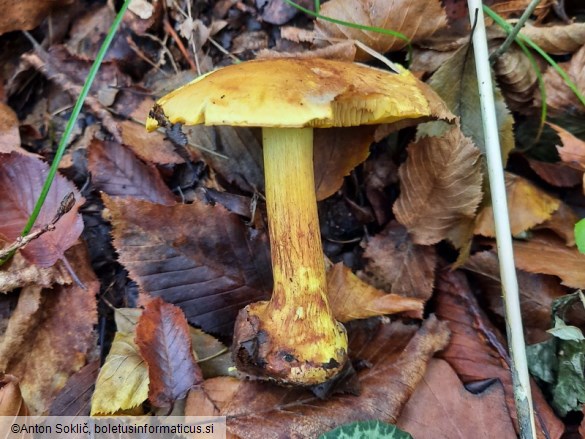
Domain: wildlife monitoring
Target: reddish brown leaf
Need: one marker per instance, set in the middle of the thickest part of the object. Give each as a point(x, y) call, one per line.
point(150, 147)
point(537, 293)
point(441, 408)
point(337, 152)
point(11, 402)
point(200, 257)
point(394, 263)
point(75, 398)
point(351, 298)
point(259, 410)
point(417, 19)
point(440, 185)
point(535, 256)
point(557, 174)
point(23, 177)
point(162, 336)
point(118, 172)
point(562, 222)
point(572, 151)
point(477, 352)
point(528, 205)
point(26, 14)
point(62, 338)
point(558, 95)
point(9, 135)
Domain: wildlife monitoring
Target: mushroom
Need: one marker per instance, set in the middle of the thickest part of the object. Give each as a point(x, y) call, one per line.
point(293, 338)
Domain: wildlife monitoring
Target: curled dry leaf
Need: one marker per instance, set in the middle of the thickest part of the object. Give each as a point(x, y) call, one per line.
point(535, 256)
point(63, 337)
point(398, 355)
point(19, 273)
point(477, 352)
point(528, 205)
point(517, 78)
point(441, 408)
point(351, 298)
point(416, 19)
point(456, 82)
point(118, 172)
point(200, 257)
point(162, 336)
point(24, 176)
point(557, 40)
point(123, 381)
point(558, 95)
point(394, 263)
point(440, 187)
point(11, 402)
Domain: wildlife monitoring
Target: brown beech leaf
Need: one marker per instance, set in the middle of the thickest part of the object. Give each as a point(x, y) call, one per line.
point(11, 402)
point(558, 95)
point(557, 39)
point(397, 355)
point(528, 205)
point(63, 337)
point(162, 336)
point(337, 152)
point(572, 150)
point(22, 178)
point(416, 19)
point(351, 298)
point(200, 257)
point(117, 171)
point(456, 82)
point(517, 78)
point(537, 293)
point(75, 398)
point(440, 187)
point(441, 408)
point(26, 14)
point(557, 174)
point(537, 256)
point(477, 352)
point(394, 263)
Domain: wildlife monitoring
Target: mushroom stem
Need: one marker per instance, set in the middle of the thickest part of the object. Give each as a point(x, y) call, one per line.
point(294, 337)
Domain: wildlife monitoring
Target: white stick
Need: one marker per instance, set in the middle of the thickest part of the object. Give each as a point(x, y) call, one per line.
point(520, 376)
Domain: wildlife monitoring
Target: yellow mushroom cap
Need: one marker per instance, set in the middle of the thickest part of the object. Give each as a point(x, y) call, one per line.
point(294, 92)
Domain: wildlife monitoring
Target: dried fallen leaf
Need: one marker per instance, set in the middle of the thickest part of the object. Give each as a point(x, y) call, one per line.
point(9, 135)
point(26, 14)
point(261, 410)
point(456, 82)
point(529, 206)
point(337, 152)
point(63, 337)
point(535, 256)
point(517, 78)
point(562, 222)
point(118, 172)
point(351, 298)
point(416, 19)
point(572, 150)
point(394, 263)
point(19, 273)
point(557, 174)
point(75, 398)
point(162, 336)
point(123, 379)
point(200, 257)
point(440, 185)
point(11, 402)
point(441, 408)
point(537, 292)
point(24, 176)
point(477, 353)
point(150, 147)
point(557, 39)
point(558, 95)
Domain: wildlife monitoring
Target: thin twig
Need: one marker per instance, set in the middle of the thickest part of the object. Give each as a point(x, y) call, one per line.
point(512, 35)
point(169, 29)
point(514, 329)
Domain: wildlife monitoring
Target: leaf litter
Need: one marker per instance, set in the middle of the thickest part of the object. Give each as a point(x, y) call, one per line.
point(177, 225)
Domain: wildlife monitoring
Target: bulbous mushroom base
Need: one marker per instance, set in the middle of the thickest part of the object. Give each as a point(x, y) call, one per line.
point(288, 349)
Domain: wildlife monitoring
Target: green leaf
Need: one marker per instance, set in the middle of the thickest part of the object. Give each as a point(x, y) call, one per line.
point(569, 392)
point(564, 332)
point(366, 430)
point(580, 235)
point(542, 360)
